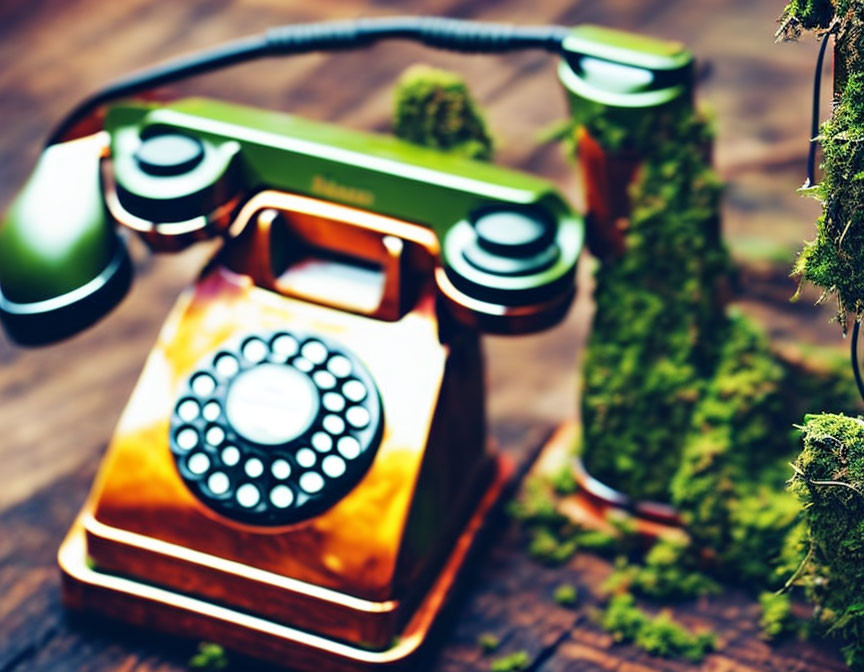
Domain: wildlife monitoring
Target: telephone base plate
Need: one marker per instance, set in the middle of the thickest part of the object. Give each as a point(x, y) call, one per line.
point(85, 588)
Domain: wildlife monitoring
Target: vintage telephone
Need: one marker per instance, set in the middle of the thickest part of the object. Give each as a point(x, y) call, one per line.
point(302, 468)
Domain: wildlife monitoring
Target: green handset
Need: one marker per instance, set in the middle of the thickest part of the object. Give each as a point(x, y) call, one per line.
point(63, 265)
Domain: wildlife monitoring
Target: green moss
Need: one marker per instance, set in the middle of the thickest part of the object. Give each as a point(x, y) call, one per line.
point(434, 108)
point(829, 482)
point(657, 327)
point(520, 660)
point(683, 400)
point(210, 658)
point(488, 643)
point(566, 595)
point(834, 260)
point(776, 619)
point(563, 481)
point(669, 571)
point(658, 635)
point(805, 15)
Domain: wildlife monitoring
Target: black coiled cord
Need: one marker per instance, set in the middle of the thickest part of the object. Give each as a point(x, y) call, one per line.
point(441, 33)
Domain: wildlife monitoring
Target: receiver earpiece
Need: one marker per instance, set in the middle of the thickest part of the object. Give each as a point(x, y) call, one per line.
point(514, 267)
point(62, 263)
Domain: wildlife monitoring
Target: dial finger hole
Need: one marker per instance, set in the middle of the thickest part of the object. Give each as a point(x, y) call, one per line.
point(218, 483)
point(280, 469)
point(215, 435)
point(230, 456)
point(188, 410)
point(324, 380)
point(334, 466)
point(322, 442)
point(253, 467)
point(333, 402)
point(354, 390)
point(186, 438)
point(227, 366)
point(255, 350)
point(198, 463)
point(333, 424)
point(203, 385)
point(285, 346)
point(211, 410)
point(281, 497)
point(339, 366)
point(303, 364)
point(348, 447)
point(311, 482)
point(358, 417)
point(315, 352)
point(306, 458)
point(248, 495)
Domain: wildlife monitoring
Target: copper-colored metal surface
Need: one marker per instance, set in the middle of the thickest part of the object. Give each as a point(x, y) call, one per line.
point(356, 572)
point(152, 606)
point(607, 180)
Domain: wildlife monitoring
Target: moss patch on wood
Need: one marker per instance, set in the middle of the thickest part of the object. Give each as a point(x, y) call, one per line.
point(658, 635)
point(434, 108)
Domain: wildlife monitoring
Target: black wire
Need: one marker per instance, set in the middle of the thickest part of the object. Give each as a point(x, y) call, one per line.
point(814, 119)
point(855, 368)
point(442, 33)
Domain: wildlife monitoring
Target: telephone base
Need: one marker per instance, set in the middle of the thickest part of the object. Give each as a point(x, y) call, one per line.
point(85, 588)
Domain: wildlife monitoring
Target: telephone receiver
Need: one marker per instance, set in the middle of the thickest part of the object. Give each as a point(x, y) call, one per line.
point(302, 470)
point(506, 243)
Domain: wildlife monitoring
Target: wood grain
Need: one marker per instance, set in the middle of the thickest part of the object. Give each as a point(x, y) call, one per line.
point(58, 405)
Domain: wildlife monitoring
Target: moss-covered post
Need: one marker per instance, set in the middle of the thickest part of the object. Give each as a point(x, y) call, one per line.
point(829, 473)
point(682, 400)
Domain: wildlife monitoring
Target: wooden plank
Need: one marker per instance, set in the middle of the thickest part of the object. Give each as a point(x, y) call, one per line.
point(58, 404)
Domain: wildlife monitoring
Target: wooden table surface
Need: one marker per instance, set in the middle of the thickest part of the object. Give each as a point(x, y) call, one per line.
point(58, 405)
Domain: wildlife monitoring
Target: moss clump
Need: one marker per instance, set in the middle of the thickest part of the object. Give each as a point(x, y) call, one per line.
point(829, 482)
point(209, 658)
point(776, 619)
point(804, 15)
point(488, 642)
point(834, 260)
point(515, 662)
point(566, 595)
point(669, 571)
point(552, 537)
point(434, 108)
point(659, 635)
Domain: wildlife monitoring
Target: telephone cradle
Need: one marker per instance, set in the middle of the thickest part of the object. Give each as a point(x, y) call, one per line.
point(302, 470)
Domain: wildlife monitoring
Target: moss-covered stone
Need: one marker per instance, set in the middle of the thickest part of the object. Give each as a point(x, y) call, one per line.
point(434, 108)
point(829, 482)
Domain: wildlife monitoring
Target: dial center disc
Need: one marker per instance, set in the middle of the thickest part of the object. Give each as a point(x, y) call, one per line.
point(272, 404)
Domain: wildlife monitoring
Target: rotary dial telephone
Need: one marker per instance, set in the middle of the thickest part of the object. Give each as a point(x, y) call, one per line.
point(302, 469)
